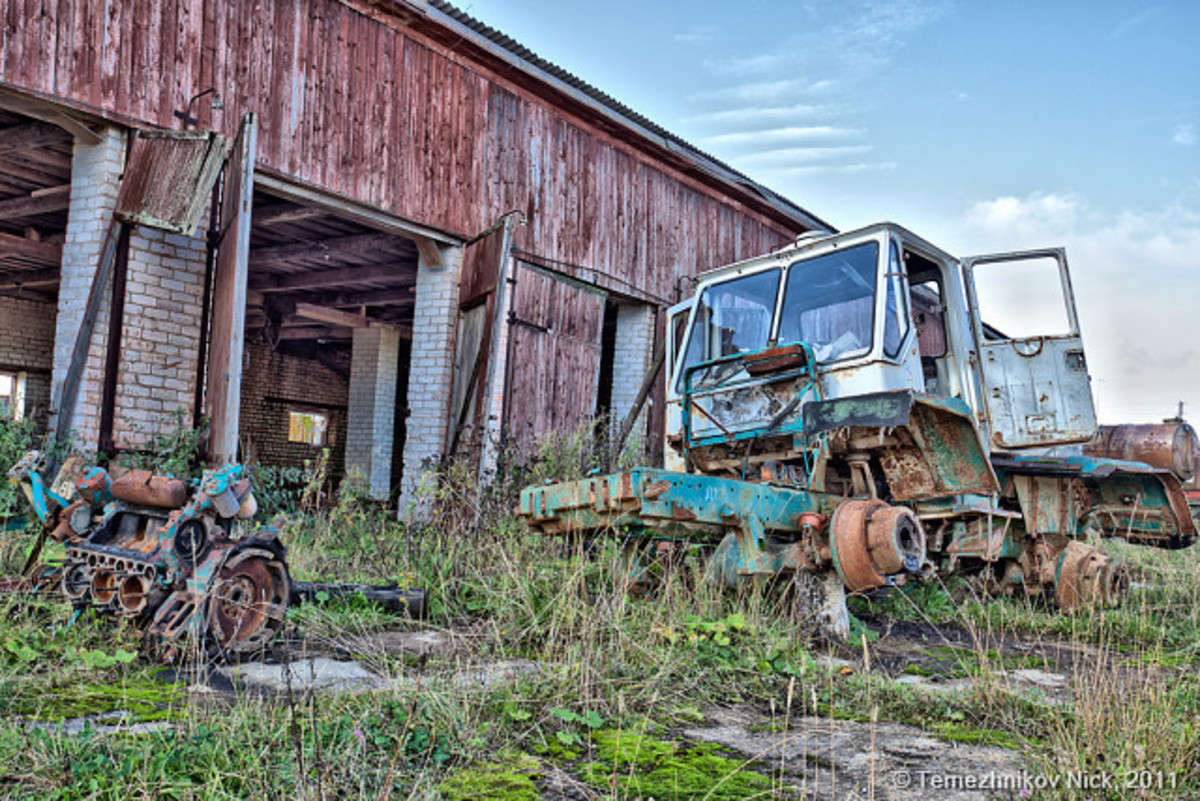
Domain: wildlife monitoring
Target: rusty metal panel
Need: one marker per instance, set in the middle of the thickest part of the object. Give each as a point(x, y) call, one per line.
point(169, 177)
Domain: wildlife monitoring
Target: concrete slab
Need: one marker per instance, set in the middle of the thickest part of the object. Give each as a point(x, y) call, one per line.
point(842, 759)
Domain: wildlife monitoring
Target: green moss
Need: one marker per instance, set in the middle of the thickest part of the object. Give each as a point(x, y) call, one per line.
point(637, 766)
point(914, 669)
point(510, 780)
point(145, 699)
point(956, 732)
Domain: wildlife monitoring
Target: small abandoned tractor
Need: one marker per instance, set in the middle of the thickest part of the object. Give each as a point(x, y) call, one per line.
point(164, 554)
point(842, 411)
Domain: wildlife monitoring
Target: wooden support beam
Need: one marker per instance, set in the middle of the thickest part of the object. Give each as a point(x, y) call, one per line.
point(47, 252)
point(324, 249)
point(43, 201)
point(313, 332)
point(15, 167)
point(30, 134)
point(324, 278)
point(228, 329)
point(431, 254)
point(19, 279)
point(283, 213)
point(324, 314)
point(347, 209)
point(48, 112)
point(379, 297)
point(28, 294)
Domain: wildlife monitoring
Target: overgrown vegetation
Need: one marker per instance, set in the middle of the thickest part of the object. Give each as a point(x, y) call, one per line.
point(619, 678)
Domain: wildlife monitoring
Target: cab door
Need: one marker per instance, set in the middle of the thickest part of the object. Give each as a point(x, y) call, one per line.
point(677, 327)
point(1029, 353)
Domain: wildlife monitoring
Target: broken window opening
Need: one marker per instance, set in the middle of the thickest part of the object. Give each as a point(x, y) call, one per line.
point(8, 396)
point(307, 428)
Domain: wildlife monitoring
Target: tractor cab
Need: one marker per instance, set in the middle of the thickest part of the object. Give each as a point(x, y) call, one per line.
point(875, 313)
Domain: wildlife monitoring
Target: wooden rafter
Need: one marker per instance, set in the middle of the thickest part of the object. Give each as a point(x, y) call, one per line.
point(326, 278)
point(285, 213)
point(42, 201)
point(358, 244)
point(380, 297)
point(29, 278)
point(46, 252)
point(30, 135)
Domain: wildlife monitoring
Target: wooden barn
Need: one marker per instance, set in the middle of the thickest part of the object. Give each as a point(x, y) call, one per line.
point(373, 226)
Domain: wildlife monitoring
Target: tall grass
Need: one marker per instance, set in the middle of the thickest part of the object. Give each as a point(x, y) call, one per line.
point(608, 659)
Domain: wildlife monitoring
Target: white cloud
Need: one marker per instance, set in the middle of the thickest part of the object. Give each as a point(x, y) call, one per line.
point(698, 34)
point(851, 42)
point(791, 156)
point(1136, 288)
point(792, 133)
point(831, 169)
point(763, 92)
point(752, 114)
point(1029, 218)
point(1185, 135)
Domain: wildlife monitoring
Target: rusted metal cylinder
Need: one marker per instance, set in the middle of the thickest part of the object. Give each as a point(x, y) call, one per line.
point(1085, 577)
point(872, 541)
point(104, 587)
point(76, 581)
point(134, 594)
point(143, 488)
point(1167, 446)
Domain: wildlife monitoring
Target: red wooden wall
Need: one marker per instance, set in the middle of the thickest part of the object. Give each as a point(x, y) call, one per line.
point(374, 110)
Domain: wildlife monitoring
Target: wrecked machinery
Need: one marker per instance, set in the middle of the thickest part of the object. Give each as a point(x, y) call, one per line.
point(840, 411)
point(163, 553)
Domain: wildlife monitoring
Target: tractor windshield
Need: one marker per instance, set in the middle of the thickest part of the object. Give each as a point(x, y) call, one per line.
point(829, 302)
point(731, 317)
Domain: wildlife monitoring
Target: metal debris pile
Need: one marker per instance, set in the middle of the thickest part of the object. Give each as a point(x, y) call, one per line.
point(171, 556)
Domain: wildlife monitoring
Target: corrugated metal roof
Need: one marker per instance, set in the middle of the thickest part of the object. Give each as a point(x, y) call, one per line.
point(443, 12)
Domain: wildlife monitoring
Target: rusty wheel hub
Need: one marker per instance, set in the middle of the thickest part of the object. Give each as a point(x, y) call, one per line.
point(248, 600)
point(1088, 577)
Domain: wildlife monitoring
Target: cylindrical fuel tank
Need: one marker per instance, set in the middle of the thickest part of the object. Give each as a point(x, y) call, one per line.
point(1169, 446)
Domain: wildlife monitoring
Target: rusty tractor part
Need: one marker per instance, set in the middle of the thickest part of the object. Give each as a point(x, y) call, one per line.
point(143, 488)
point(248, 599)
point(104, 588)
point(1087, 577)
point(1171, 445)
point(874, 541)
point(135, 594)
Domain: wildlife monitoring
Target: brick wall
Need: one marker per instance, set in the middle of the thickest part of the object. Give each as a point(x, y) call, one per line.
point(274, 384)
point(631, 359)
point(95, 179)
point(431, 368)
point(160, 334)
point(27, 345)
point(374, 365)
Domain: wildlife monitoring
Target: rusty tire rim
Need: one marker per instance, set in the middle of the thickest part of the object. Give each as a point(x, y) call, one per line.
point(248, 600)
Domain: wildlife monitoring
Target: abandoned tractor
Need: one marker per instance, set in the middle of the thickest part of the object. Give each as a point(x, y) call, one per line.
point(841, 411)
point(164, 554)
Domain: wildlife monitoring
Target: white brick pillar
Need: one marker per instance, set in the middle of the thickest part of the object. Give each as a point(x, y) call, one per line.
point(631, 360)
point(95, 180)
point(430, 370)
point(371, 416)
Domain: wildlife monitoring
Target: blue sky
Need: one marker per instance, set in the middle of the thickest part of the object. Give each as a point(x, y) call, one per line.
point(981, 126)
